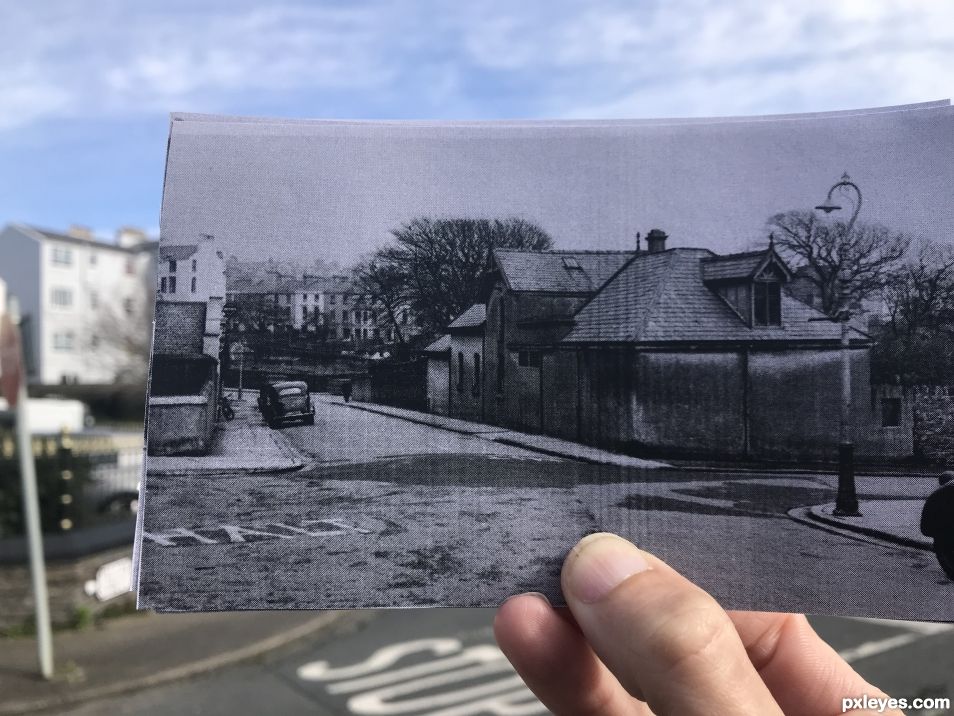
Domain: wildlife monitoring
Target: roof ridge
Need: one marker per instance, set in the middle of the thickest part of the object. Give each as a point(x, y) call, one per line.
point(555, 252)
point(657, 293)
point(738, 255)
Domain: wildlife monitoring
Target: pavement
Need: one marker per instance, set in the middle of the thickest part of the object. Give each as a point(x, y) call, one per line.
point(144, 650)
point(242, 445)
point(892, 521)
point(543, 444)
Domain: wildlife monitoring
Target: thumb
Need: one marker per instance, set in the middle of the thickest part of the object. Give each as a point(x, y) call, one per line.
point(667, 641)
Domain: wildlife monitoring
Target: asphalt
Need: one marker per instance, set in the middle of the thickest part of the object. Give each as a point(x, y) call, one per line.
point(144, 650)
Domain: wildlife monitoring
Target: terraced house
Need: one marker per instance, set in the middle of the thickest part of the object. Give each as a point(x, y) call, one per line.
point(673, 351)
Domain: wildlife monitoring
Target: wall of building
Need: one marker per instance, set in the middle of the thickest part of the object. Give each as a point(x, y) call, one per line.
point(690, 402)
point(934, 424)
point(466, 390)
point(438, 384)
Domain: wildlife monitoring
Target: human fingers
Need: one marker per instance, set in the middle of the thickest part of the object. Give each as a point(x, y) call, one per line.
point(547, 649)
point(667, 642)
point(805, 675)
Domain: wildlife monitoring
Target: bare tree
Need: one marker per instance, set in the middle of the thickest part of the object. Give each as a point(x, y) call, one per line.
point(437, 265)
point(119, 336)
point(387, 287)
point(845, 266)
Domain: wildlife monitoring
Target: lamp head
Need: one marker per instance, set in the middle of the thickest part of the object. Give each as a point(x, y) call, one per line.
point(828, 207)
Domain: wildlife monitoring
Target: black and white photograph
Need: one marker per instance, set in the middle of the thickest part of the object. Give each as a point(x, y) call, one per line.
point(410, 364)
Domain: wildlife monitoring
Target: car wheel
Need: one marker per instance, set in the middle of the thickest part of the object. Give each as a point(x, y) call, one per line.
point(944, 549)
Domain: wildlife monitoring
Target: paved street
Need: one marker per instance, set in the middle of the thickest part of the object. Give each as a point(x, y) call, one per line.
point(444, 663)
point(351, 528)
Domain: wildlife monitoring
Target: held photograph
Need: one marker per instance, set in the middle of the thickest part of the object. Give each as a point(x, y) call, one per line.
point(411, 364)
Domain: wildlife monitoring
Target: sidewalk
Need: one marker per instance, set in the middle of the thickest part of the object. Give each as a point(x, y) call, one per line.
point(144, 650)
point(244, 444)
point(555, 447)
point(894, 521)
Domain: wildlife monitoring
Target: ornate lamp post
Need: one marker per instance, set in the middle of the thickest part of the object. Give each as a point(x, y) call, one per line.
point(846, 504)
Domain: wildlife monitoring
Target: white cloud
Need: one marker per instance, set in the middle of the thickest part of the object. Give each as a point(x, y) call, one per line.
point(601, 58)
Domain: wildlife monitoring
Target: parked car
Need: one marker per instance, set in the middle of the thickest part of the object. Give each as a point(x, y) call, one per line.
point(937, 521)
point(286, 401)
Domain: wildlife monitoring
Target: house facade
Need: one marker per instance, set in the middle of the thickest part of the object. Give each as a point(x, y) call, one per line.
point(187, 344)
point(675, 351)
point(75, 291)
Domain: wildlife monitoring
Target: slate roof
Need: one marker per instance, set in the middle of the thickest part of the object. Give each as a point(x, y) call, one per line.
point(661, 298)
point(473, 317)
point(736, 266)
point(548, 271)
point(441, 345)
point(176, 252)
point(37, 232)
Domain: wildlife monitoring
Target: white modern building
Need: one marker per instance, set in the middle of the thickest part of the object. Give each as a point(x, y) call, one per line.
point(81, 299)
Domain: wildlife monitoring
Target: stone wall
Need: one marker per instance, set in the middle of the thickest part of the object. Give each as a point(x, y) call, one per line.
point(934, 423)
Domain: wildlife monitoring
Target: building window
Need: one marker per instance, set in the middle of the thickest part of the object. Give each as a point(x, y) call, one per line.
point(528, 359)
point(304, 312)
point(63, 341)
point(344, 299)
point(162, 284)
point(891, 412)
point(344, 316)
point(476, 374)
point(195, 265)
point(62, 256)
point(128, 302)
point(460, 372)
point(62, 297)
point(172, 284)
point(331, 299)
point(193, 284)
point(130, 267)
point(93, 258)
point(172, 265)
point(93, 300)
point(94, 341)
point(768, 303)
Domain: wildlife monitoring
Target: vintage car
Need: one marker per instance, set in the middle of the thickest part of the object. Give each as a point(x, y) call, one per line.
point(286, 401)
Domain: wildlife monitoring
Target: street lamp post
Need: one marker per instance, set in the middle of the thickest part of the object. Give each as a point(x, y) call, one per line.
point(846, 504)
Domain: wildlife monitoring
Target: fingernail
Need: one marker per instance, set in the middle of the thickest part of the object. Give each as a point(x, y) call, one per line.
point(599, 563)
point(537, 595)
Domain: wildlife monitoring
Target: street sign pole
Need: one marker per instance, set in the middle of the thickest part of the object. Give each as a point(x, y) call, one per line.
point(11, 357)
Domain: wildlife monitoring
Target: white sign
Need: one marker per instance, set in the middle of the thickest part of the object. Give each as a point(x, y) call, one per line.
point(112, 580)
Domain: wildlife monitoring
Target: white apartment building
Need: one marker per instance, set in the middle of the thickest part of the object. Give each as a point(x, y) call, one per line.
point(78, 295)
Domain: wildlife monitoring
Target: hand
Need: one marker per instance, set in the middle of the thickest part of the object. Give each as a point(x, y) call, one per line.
point(641, 639)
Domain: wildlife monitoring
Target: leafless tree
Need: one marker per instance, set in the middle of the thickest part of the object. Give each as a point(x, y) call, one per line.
point(845, 266)
point(387, 287)
point(119, 336)
point(436, 265)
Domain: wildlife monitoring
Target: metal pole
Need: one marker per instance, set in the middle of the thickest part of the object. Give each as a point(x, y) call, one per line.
point(31, 512)
point(241, 365)
point(846, 504)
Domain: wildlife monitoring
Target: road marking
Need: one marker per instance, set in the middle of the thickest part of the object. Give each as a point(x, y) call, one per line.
point(915, 632)
point(453, 681)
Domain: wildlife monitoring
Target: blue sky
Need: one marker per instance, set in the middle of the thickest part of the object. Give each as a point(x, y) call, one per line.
point(86, 88)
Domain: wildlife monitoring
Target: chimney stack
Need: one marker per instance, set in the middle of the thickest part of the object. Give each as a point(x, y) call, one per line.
point(656, 239)
point(78, 231)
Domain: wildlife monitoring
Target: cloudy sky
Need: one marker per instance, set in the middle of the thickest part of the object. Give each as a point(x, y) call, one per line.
point(86, 88)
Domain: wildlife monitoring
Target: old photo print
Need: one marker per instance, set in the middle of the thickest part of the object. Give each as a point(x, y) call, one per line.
point(404, 364)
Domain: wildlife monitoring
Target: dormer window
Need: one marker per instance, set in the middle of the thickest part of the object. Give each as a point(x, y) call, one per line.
point(570, 263)
point(767, 303)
